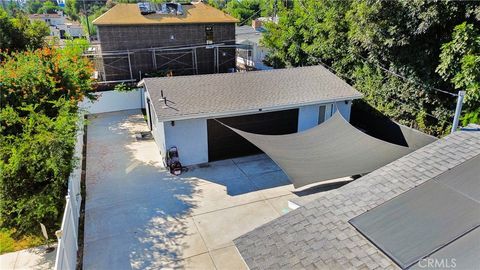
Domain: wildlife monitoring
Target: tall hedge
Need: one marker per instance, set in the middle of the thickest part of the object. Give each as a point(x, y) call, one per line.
point(39, 93)
point(35, 165)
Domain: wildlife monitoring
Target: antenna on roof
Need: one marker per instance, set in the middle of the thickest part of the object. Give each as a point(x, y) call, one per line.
point(164, 99)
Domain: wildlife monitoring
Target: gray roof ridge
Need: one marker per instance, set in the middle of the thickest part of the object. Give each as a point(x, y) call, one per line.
point(238, 73)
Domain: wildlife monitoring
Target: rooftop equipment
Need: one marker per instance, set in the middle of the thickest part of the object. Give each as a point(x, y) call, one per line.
point(147, 8)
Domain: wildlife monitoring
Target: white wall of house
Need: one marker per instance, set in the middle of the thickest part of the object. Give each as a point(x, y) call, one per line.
point(258, 54)
point(111, 101)
point(345, 108)
point(307, 117)
point(158, 130)
point(191, 139)
point(75, 30)
point(72, 29)
point(53, 21)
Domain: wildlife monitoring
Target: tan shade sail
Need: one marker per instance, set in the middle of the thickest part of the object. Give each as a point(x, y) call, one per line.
point(332, 150)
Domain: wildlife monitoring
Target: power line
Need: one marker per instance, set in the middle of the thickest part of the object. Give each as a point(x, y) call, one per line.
point(250, 17)
point(405, 78)
point(396, 100)
point(389, 71)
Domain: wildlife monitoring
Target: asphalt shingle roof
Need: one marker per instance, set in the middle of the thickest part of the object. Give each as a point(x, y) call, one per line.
point(318, 234)
point(228, 94)
point(247, 33)
point(129, 14)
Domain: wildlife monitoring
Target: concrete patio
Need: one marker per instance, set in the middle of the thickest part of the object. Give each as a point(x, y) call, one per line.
point(138, 216)
point(31, 258)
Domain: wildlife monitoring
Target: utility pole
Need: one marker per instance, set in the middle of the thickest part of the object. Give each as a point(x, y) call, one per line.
point(458, 110)
point(275, 7)
point(86, 19)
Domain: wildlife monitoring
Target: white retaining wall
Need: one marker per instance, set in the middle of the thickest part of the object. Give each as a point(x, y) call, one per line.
point(111, 101)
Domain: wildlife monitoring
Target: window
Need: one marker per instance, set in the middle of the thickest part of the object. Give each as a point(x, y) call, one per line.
point(209, 34)
point(321, 114)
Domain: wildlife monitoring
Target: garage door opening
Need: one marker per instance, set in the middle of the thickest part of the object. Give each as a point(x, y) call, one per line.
point(223, 143)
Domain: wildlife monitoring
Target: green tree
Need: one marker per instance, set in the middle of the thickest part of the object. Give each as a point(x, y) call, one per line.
point(33, 6)
point(220, 4)
point(19, 33)
point(71, 9)
point(460, 62)
point(49, 7)
point(95, 12)
point(244, 10)
point(373, 44)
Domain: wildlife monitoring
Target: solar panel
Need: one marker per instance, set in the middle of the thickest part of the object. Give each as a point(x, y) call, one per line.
point(463, 253)
point(464, 179)
point(418, 222)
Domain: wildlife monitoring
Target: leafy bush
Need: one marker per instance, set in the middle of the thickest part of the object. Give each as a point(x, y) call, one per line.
point(42, 76)
point(39, 94)
point(35, 165)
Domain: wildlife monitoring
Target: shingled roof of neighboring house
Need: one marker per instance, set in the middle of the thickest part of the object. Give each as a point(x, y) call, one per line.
point(228, 94)
point(129, 14)
point(246, 33)
point(44, 16)
point(319, 234)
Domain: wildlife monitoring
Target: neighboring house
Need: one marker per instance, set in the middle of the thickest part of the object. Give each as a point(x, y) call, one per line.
point(181, 39)
point(61, 3)
point(421, 211)
point(59, 25)
point(73, 29)
point(251, 36)
point(182, 110)
point(52, 20)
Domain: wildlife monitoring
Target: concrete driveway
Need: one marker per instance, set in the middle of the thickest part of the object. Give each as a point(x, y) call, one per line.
point(138, 216)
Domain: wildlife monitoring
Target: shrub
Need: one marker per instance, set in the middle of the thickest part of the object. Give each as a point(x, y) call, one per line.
point(39, 93)
point(35, 165)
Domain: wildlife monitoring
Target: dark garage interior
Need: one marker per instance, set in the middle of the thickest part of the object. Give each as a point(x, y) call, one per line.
point(223, 143)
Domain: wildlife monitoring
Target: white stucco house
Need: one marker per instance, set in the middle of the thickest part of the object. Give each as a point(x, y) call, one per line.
point(251, 36)
point(53, 19)
point(184, 111)
point(59, 25)
point(247, 35)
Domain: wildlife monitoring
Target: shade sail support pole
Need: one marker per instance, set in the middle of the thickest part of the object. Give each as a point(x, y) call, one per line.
point(458, 111)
